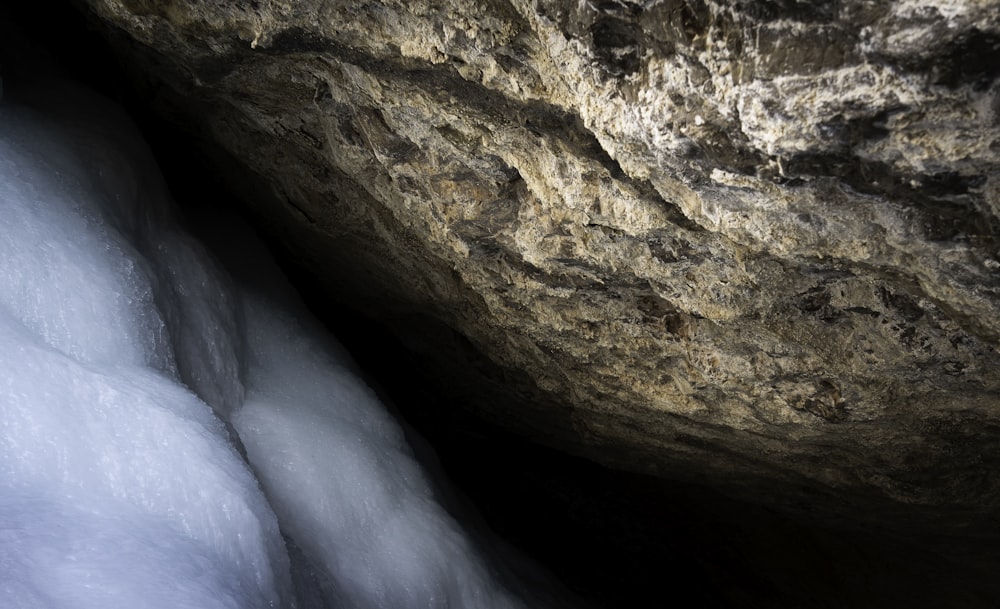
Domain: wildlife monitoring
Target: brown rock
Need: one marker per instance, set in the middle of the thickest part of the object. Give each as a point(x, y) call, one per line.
point(750, 243)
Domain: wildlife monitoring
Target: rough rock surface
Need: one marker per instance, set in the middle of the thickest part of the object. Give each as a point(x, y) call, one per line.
point(750, 242)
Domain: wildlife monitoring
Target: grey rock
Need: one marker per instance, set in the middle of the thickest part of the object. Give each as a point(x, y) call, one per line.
point(748, 243)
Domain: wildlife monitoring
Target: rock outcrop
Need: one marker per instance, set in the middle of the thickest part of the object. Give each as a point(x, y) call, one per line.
point(752, 243)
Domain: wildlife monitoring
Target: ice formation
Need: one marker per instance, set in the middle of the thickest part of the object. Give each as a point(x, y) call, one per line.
point(129, 359)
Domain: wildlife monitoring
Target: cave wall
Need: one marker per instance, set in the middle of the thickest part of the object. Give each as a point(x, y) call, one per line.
point(748, 243)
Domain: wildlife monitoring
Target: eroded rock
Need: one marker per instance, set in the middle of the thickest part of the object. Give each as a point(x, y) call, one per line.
point(750, 243)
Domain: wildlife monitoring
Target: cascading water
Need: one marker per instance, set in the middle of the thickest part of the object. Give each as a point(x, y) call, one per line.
point(135, 372)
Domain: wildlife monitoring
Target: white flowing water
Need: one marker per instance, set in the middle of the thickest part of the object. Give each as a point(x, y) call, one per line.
point(136, 374)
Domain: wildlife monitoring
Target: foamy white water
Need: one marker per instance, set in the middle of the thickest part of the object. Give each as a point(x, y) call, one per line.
point(128, 357)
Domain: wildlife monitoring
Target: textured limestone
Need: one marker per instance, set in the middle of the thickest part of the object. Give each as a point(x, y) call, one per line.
point(754, 243)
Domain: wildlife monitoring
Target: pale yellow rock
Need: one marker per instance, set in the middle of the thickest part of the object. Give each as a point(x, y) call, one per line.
point(738, 245)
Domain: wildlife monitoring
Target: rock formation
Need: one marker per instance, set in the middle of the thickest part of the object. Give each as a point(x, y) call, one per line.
point(755, 243)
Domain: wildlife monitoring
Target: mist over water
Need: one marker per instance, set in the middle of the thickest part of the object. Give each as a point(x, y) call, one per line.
point(173, 437)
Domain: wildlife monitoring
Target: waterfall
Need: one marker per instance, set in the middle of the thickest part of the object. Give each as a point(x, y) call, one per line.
point(176, 433)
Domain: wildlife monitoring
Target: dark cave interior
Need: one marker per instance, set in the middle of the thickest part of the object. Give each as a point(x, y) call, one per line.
point(615, 539)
